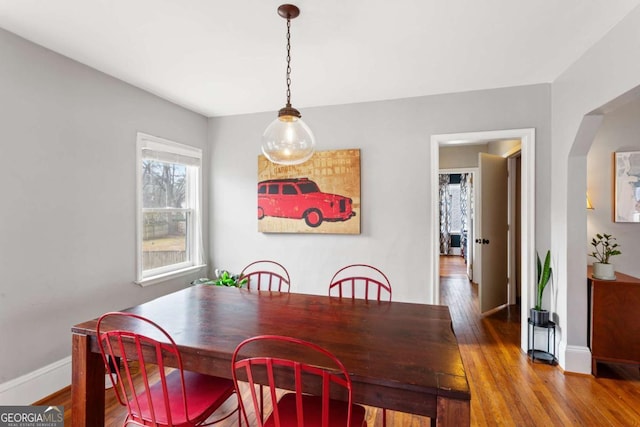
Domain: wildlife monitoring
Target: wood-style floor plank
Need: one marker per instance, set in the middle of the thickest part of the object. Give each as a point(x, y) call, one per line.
point(535, 394)
point(507, 389)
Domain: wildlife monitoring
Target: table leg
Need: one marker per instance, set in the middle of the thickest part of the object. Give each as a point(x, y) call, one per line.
point(453, 412)
point(87, 384)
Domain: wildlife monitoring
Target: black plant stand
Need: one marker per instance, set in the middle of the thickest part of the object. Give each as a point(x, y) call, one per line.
point(548, 356)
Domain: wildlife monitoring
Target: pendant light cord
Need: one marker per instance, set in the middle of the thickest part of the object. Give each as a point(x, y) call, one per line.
point(288, 62)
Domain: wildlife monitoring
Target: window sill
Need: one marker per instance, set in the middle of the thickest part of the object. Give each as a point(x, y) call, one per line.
point(167, 276)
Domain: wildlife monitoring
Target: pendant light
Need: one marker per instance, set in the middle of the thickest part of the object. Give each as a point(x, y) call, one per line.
point(288, 140)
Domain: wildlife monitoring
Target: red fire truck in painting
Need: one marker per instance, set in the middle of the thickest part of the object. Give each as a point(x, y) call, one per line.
point(299, 198)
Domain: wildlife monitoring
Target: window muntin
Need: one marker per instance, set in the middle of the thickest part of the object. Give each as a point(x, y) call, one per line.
point(169, 203)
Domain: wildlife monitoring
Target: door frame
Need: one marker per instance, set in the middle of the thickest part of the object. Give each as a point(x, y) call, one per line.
point(511, 234)
point(527, 138)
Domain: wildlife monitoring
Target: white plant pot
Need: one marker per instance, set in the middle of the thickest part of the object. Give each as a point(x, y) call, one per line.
point(603, 271)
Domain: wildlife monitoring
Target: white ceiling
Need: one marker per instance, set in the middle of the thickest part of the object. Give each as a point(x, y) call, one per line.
point(222, 58)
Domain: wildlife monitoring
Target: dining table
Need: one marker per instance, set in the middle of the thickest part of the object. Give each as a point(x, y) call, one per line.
point(400, 356)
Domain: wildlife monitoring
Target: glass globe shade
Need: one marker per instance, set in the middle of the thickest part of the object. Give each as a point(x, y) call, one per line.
point(288, 141)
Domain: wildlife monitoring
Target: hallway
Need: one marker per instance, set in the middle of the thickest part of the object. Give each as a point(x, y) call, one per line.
point(507, 389)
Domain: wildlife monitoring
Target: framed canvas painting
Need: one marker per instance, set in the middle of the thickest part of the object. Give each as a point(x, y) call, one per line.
point(321, 195)
point(627, 187)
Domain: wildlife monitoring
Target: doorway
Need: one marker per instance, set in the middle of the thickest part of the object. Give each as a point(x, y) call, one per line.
point(457, 214)
point(498, 205)
point(527, 214)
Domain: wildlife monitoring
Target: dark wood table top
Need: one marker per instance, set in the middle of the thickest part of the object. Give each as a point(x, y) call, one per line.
point(410, 348)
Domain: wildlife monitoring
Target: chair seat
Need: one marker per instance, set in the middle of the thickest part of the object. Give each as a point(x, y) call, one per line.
point(312, 409)
point(202, 391)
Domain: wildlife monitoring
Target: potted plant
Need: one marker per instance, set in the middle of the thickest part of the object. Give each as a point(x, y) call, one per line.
point(537, 314)
point(223, 278)
point(604, 247)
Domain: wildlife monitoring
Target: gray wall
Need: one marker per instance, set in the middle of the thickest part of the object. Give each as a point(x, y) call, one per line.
point(606, 72)
point(460, 156)
point(466, 156)
point(619, 131)
point(505, 147)
point(394, 138)
point(67, 225)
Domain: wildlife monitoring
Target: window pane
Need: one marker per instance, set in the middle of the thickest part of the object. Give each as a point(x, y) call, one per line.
point(289, 189)
point(164, 239)
point(163, 184)
point(309, 187)
point(456, 212)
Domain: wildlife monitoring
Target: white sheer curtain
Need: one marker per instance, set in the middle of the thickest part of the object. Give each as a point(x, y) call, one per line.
point(445, 214)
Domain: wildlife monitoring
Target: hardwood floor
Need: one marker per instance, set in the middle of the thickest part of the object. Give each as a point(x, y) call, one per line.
point(506, 388)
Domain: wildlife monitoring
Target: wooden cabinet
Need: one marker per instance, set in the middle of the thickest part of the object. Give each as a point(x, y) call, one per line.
point(614, 313)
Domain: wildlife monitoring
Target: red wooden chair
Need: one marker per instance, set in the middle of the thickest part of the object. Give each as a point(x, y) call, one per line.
point(178, 398)
point(266, 275)
point(310, 371)
point(360, 281)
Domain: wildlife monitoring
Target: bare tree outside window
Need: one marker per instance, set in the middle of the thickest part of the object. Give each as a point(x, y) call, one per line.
point(164, 184)
point(165, 217)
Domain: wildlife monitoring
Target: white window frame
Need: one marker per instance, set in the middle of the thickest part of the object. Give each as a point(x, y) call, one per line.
point(149, 146)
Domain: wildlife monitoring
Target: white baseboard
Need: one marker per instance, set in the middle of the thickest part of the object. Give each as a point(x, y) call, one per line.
point(575, 359)
point(36, 385)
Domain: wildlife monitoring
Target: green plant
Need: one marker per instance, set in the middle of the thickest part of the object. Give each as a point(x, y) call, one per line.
point(605, 247)
point(224, 279)
point(544, 274)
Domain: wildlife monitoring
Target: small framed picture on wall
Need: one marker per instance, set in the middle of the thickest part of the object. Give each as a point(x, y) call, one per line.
point(627, 187)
